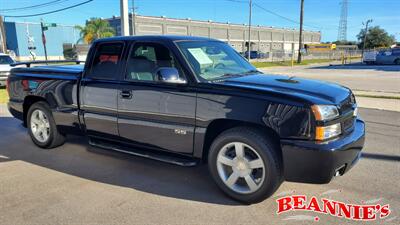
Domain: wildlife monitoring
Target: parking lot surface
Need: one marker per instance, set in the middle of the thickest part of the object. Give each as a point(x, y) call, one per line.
point(78, 184)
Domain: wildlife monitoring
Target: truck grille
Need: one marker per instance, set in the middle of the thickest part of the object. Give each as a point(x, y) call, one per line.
point(348, 124)
point(347, 104)
point(346, 108)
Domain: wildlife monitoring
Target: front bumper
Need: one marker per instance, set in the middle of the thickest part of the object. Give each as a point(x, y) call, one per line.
point(318, 162)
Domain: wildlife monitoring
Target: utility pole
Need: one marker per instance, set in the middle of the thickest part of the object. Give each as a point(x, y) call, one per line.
point(43, 28)
point(365, 35)
point(124, 18)
point(301, 31)
point(249, 42)
point(3, 41)
point(133, 18)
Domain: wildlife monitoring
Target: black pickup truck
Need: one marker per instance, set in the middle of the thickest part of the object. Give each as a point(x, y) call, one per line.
point(191, 100)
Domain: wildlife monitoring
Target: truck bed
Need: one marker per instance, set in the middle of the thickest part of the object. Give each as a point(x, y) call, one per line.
point(67, 72)
point(58, 85)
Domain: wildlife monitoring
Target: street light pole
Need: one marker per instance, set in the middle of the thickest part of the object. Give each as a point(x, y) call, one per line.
point(365, 36)
point(301, 31)
point(249, 42)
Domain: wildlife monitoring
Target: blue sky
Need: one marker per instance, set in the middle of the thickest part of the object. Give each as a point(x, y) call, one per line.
point(320, 15)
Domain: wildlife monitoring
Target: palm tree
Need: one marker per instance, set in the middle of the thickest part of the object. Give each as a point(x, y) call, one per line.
point(95, 28)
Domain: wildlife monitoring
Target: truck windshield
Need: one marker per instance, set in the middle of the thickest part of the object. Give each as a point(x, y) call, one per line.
point(213, 60)
point(5, 59)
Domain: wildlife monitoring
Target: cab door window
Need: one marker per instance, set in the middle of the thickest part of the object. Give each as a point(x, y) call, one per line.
point(146, 58)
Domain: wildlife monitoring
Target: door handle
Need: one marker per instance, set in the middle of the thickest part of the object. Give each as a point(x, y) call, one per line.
point(126, 94)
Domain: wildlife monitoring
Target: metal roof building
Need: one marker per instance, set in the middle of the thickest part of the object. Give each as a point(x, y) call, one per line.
point(264, 39)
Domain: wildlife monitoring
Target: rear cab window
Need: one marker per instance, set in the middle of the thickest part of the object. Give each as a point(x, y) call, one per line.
point(107, 61)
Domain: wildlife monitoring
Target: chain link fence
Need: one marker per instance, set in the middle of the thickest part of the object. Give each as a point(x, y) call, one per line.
point(282, 56)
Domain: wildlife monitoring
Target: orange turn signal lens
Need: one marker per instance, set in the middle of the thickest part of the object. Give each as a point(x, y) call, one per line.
point(317, 112)
point(320, 133)
point(326, 132)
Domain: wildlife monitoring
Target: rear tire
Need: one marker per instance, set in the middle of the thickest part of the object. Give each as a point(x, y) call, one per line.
point(42, 127)
point(248, 177)
point(397, 62)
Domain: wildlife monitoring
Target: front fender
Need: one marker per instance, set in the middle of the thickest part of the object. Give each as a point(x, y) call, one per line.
point(287, 121)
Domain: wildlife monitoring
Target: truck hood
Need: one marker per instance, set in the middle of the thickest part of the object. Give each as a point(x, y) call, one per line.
point(313, 91)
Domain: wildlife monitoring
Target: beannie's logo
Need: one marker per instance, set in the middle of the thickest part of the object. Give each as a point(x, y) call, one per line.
point(333, 208)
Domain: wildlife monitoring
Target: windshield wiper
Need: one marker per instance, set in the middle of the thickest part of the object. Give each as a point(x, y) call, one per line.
point(227, 75)
point(231, 75)
point(251, 72)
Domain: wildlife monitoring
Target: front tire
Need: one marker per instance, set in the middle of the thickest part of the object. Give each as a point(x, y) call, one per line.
point(245, 164)
point(42, 127)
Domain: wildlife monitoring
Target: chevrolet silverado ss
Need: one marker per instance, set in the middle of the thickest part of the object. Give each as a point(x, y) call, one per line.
point(191, 100)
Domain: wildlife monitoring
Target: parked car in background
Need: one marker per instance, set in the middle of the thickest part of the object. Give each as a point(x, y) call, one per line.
point(254, 54)
point(390, 56)
point(383, 57)
point(5, 61)
point(369, 57)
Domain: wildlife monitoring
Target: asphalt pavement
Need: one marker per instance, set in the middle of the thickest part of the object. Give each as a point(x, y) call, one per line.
point(357, 76)
point(375, 86)
point(78, 184)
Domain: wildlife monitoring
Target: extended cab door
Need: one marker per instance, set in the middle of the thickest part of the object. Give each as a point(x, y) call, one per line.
point(99, 90)
point(154, 114)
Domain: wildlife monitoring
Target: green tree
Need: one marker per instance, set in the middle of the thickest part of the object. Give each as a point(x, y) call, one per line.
point(376, 38)
point(95, 28)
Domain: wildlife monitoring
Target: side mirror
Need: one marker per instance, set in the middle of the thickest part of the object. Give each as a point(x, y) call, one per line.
point(169, 75)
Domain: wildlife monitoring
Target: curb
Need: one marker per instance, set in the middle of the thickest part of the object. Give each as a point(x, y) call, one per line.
point(377, 94)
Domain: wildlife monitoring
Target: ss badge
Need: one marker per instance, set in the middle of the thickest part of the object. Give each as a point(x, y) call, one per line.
point(180, 131)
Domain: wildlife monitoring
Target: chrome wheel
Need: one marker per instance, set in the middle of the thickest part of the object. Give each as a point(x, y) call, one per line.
point(240, 167)
point(40, 126)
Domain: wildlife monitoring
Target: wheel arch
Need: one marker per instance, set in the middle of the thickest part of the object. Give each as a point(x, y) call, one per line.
point(28, 102)
point(216, 127)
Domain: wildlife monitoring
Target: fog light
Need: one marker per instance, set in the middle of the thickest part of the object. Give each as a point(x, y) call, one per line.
point(340, 171)
point(323, 133)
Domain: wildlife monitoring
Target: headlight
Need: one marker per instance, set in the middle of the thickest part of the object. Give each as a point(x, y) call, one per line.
point(4, 73)
point(325, 112)
point(323, 133)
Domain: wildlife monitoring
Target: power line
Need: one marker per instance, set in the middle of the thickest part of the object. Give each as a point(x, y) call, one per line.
point(54, 11)
point(274, 13)
point(34, 6)
point(284, 17)
point(238, 1)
